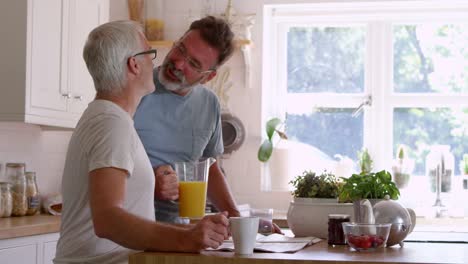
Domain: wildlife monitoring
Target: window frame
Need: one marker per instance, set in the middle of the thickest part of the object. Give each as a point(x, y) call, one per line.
point(378, 82)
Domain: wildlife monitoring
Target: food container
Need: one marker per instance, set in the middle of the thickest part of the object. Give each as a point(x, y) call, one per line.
point(366, 237)
point(6, 199)
point(335, 228)
point(32, 194)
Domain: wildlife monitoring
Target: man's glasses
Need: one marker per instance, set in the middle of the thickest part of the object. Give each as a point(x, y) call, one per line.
point(153, 52)
point(194, 64)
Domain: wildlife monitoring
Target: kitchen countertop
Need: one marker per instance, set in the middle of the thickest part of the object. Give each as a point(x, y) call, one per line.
point(12, 227)
point(320, 253)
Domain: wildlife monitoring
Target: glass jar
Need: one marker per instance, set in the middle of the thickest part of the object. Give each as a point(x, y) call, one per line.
point(13, 169)
point(32, 193)
point(18, 191)
point(154, 22)
point(335, 228)
point(440, 165)
point(6, 199)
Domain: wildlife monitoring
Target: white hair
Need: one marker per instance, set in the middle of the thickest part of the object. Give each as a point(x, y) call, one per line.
point(106, 52)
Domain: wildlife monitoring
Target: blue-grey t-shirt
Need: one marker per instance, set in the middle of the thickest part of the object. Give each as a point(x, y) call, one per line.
point(178, 128)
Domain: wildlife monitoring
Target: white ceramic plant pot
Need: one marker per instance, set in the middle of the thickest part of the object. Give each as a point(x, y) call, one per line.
point(309, 216)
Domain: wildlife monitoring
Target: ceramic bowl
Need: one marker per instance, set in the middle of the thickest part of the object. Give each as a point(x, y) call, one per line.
point(366, 237)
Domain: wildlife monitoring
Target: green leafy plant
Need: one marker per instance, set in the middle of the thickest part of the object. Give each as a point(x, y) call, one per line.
point(310, 185)
point(368, 186)
point(365, 161)
point(464, 164)
point(266, 149)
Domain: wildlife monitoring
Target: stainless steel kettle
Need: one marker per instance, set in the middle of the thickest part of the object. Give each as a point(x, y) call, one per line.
point(402, 219)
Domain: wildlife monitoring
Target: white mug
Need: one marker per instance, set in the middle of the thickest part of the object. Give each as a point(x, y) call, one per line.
point(244, 234)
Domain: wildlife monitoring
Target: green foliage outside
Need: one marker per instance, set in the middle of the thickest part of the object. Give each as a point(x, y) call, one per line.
point(331, 59)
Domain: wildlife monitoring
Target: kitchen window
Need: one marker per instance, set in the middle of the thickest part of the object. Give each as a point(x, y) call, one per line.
point(378, 75)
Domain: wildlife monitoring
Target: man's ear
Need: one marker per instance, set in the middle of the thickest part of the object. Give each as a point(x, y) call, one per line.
point(210, 76)
point(133, 66)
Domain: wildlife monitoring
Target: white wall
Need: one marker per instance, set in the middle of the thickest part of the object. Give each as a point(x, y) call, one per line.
point(42, 151)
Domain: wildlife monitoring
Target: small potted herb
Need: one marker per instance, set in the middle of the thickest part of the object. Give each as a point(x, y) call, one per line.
point(315, 197)
point(365, 161)
point(402, 168)
point(369, 186)
point(310, 185)
point(464, 170)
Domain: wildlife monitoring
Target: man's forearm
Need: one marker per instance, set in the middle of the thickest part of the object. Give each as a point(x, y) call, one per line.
point(220, 193)
point(148, 235)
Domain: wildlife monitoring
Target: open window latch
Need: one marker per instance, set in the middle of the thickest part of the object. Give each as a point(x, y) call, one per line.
point(367, 101)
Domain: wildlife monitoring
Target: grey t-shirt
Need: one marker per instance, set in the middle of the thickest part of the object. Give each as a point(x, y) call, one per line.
point(104, 137)
point(178, 128)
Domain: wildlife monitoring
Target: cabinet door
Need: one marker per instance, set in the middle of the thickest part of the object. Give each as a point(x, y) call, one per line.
point(19, 255)
point(85, 15)
point(49, 252)
point(45, 68)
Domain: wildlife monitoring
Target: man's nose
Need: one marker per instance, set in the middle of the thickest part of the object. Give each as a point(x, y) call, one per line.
point(179, 63)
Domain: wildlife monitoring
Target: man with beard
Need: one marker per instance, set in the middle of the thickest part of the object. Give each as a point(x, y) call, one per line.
point(181, 120)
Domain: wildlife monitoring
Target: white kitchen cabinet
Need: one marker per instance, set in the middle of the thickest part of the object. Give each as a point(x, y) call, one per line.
point(49, 252)
point(39, 249)
point(44, 78)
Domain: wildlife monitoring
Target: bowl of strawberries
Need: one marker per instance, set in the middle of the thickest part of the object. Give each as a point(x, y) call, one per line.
point(366, 237)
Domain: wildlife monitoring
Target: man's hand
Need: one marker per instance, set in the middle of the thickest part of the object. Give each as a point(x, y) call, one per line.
point(167, 183)
point(211, 231)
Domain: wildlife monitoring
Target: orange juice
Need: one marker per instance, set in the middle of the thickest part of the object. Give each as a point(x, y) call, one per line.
point(192, 199)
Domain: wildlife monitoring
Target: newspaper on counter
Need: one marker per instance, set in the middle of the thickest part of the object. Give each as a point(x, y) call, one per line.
point(274, 243)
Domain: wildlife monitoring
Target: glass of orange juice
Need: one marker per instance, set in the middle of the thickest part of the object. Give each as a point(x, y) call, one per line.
point(193, 182)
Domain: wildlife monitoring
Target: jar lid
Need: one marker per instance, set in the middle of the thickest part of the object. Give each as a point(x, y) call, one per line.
point(30, 174)
point(339, 216)
point(15, 165)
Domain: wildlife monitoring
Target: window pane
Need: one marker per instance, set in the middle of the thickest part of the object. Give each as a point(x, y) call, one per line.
point(326, 59)
point(419, 128)
point(331, 130)
point(430, 58)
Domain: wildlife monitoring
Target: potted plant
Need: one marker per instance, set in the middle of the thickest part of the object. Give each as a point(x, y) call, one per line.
point(368, 186)
point(464, 170)
point(310, 185)
point(365, 161)
point(371, 186)
point(402, 168)
point(266, 149)
point(314, 198)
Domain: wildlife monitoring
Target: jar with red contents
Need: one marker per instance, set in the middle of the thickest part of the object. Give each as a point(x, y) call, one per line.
point(335, 229)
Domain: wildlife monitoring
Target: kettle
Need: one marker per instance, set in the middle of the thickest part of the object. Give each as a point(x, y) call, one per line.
point(402, 219)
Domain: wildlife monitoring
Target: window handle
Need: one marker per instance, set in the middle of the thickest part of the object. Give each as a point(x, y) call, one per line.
point(367, 101)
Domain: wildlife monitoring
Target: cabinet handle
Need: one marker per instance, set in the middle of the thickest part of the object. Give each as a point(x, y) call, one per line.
point(78, 97)
point(67, 95)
